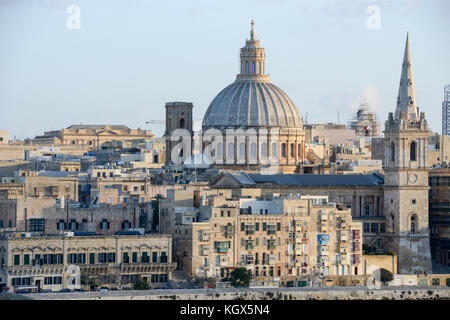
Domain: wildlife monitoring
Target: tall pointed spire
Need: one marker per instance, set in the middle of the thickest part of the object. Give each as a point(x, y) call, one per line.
point(406, 100)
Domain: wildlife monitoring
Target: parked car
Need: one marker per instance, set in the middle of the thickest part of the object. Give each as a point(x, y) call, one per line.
point(103, 289)
point(66, 290)
point(79, 290)
point(46, 291)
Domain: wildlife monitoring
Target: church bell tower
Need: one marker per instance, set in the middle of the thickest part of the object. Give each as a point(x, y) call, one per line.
point(406, 178)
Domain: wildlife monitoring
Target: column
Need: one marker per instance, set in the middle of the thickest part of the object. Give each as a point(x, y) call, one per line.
point(362, 207)
point(375, 206)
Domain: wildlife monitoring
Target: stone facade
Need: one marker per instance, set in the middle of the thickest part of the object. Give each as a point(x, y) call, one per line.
point(35, 263)
point(406, 178)
point(91, 136)
point(274, 238)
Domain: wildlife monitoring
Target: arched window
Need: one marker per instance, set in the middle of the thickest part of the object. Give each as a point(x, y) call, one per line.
point(253, 67)
point(259, 67)
point(299, 150)
point(246, 67)
point(414, 226)
point(253, 150)
point(219, 149)
point(393, 151)
point(242, 150)
point(292, 150)
point(230, 153)
point(412, 151)
point(283, 150)
point(264, 149)
point(182, 123)
point(274, 150)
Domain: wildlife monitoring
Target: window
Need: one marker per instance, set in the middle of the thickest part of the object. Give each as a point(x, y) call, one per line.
point(48, 259)
point(299, 150)
point(413, 223)
point(283, 150)
point(274, 150)
point(48, 280)
point(126, 225)
point(37, 225)
point(104, 224)
point(246, 67)
point(292, 150)
point(134, 256)
point(57, 280)
point(82, 258)
point(257, 226)
point(412, 151)
point(111, 257)
point(26, 259)
point(154, 278)
point(91, 258)
point(16, 259)
point(102, 257)
point(278, 226)
point(163, 257)
point(230, 153)
point(72, 258)
point(382, 228)
point(366, 227)
point(145, 258)
point(374, 228)
point(367, 210)
point(73, 224)
point(61, 225)
point(155, 256)
point(125, 257)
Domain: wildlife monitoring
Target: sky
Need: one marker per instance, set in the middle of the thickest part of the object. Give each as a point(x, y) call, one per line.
point(129, 57)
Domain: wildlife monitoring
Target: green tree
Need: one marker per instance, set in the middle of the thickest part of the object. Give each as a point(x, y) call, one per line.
point(140, 284)
point(240, 277)
point(386, 276)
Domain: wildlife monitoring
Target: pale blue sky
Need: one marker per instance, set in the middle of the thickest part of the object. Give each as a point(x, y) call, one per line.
point(130, 57)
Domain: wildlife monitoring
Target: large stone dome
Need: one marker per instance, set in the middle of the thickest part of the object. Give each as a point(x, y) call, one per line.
point(251, 103)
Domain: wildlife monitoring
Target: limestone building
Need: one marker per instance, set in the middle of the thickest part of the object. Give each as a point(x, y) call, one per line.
point(32, 263)
point(406, 178)
point(92, 136)
point(274, 237)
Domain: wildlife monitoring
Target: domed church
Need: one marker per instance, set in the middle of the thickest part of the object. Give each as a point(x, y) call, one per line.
point(271, 122)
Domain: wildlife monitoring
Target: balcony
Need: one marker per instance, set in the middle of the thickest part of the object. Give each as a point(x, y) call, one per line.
point(147, 267)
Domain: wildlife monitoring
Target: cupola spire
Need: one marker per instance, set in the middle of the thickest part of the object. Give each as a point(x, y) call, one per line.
point(252, 59)
point(252, 31)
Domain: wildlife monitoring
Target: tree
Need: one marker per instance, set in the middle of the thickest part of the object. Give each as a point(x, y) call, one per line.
point(240, 277)
point(140, 284)
point(386, 276)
